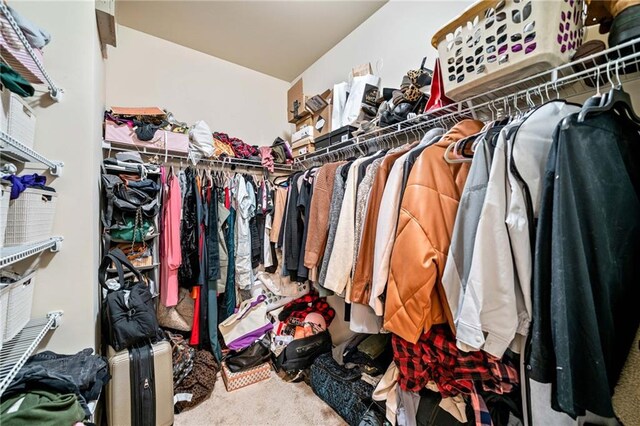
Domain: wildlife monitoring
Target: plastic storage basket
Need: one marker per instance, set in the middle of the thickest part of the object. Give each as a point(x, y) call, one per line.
point(495, 42)
point(30, 217)
point(5, 289)
point(21, 121)
point(19, 302)
point(5, 193)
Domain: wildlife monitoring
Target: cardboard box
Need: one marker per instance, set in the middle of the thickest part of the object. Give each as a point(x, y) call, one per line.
point(360, 70)
point(318, 102)
point(307, 121)
point(233, 381)
point(304, 132)
point(322, 122)
point(296, 102)
point(304, 146)
point(321, 107)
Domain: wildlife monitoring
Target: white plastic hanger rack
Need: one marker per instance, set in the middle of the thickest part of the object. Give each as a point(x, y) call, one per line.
point(565, 81)
point(54, 90)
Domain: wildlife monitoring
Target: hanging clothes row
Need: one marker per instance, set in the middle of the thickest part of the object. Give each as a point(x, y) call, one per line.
point(484, 248)
point(212, 236)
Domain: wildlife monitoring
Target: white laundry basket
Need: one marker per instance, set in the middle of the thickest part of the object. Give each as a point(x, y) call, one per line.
point(30, 217)
point(21, 121)
point(494, 42)
point(5, 194)
point(18, 311)
point(5, 289)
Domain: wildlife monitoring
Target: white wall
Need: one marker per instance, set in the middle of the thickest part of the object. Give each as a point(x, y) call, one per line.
point(70, 131)
point(398, 36)
point(148, 71)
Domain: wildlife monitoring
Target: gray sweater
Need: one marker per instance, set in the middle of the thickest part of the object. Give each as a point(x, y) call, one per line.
point(334, 214)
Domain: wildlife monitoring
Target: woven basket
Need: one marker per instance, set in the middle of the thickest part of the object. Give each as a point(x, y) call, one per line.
point(18, 311)
point(494, 42)
point(5, 289)
point(5, 193)
point(234, 381)
point(30, 217)
point(21, 121)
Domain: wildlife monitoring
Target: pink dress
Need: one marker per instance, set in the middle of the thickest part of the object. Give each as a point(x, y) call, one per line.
point(171, 253)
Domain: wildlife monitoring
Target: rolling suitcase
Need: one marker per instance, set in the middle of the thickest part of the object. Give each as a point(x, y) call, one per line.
point(140, 392)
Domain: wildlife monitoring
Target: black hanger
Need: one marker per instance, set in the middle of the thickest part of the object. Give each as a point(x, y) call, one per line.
point(618, 100)
point(461, 145)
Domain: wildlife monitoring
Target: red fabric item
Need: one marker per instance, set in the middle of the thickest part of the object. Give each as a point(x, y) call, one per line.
point(437, 97)
point(436, 357)
point(195, 329)
point(240, 149)
point(304, 305)
point(227, 198)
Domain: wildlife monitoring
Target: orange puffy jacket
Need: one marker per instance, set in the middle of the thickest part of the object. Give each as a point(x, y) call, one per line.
point(415, 296)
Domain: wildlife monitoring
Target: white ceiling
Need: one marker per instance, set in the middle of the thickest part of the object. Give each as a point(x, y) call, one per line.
point(278, 38)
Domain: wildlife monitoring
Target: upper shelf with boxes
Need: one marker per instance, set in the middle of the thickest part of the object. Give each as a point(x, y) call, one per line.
point(314, 120)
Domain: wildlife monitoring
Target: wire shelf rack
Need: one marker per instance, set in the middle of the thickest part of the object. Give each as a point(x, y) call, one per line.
point(11, 148)
point(16, 352)
point(54, 90)
point(10, 255)
point(576, 78)
point(225, 163)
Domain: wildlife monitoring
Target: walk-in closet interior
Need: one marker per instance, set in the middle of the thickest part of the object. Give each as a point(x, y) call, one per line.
point(292, 213)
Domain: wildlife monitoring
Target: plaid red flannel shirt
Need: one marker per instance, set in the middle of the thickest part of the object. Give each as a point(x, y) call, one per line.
point(436, 357)
point(304, 305)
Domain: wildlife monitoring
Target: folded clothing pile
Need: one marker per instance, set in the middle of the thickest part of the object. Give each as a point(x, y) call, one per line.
point(239, 148)
point(54, 389)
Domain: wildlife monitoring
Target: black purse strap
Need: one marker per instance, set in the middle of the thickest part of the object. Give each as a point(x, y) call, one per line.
point(119, 259)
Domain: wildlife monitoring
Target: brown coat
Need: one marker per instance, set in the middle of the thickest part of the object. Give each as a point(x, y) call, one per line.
point(415, 296)
point(319, 214)
point(361, 284)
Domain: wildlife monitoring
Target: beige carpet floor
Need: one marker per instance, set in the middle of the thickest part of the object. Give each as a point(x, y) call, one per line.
point(272, 402)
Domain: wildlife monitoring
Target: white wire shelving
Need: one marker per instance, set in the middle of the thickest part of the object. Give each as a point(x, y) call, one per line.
point(10, 148)
point(10, 255)
point(55, 91)
point(16, 352)
point(580, 77)
point(228, 163)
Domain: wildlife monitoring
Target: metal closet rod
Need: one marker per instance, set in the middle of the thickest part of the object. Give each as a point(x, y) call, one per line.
point(458, 110)
point(228, 162)
point(54, 91)
point(223, 164)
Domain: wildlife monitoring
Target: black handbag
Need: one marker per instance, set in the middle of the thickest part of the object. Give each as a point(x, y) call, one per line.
point(258, 353)
point(341, 388)
point(300, 353)
point(128, 312)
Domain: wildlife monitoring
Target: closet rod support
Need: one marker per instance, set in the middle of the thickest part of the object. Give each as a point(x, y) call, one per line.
point(57, 318)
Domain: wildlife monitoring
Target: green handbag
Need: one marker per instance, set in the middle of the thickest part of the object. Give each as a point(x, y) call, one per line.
point(128, 231)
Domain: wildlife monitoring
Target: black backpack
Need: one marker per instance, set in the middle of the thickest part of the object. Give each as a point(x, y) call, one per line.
point(300, 353)
point(128, 312)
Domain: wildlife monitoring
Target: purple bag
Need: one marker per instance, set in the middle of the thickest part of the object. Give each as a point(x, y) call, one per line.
point(247, 325)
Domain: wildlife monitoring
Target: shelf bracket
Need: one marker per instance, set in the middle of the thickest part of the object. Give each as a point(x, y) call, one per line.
point(57, 318)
